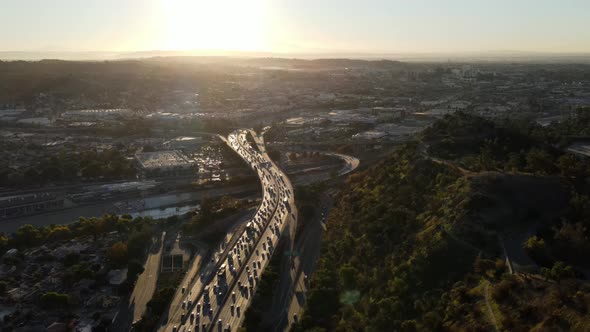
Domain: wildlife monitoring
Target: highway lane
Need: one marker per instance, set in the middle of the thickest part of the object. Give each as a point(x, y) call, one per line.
point(230, 315)
point(351, 163)
point(193, 282)
point(228, 292)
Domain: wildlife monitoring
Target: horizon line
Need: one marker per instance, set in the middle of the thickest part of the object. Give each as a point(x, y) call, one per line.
point(311, 55)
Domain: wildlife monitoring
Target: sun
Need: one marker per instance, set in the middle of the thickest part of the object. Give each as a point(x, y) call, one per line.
point(212, 25)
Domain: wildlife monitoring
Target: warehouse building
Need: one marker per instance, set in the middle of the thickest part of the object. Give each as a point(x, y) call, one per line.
point(164, 163)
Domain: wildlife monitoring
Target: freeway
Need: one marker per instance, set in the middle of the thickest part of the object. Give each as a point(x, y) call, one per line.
point(224, 294)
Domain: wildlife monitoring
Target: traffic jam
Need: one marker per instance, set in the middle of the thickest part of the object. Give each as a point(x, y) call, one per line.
point(227, 293)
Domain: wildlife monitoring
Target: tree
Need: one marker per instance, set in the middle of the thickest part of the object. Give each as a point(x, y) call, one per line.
point(71, 259)
point(59, 233)
point(536, 249)
point(275, 155)
point(569, 166)
point(148, 148)
point(118, 254)
point(348, 276)
point(409, 326)
point(138, 241)
point(539, 161)
point(3, 242)
point(513, 163)
point(486, 158)
point(160, 300)
point(134, 269)
point(53, 299)
point(31, 175)
point(92, 170)
point(558, 272)
point(52, 173)
point(534, 244)
point(27, 235)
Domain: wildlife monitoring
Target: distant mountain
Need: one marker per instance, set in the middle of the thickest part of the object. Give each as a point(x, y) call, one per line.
point(484, 56)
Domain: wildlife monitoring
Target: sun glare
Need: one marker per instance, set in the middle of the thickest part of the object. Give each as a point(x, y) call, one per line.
point(213, 24)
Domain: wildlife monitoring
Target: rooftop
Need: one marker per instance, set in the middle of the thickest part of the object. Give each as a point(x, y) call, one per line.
point(159, 159)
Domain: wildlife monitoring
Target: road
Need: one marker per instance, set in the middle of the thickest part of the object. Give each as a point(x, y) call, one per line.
point(193, 280)
point(224, 295)
point(350, 162)
point(146, 282)
point(144, 289)
point(579, 148)
point(291, 297)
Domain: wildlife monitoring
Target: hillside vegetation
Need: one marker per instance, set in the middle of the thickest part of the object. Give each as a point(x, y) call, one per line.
point(414, 242)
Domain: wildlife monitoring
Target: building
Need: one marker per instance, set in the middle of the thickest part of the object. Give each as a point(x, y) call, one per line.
point(11, 115)
point(184, 143)
point(164, 163)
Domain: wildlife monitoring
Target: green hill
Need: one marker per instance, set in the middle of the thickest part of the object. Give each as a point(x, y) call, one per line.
point(413, 244)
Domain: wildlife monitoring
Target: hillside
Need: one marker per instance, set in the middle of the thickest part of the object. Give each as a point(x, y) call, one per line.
point(414, 243)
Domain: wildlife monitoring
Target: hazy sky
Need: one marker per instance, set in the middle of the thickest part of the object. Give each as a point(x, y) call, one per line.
point(296, 25)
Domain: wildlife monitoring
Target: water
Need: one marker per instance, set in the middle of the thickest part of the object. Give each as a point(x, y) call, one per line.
point(166, 212)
